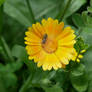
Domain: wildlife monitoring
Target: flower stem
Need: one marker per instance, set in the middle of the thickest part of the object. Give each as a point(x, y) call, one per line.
point(26, 84)
point(2, 40)
point(1, 18)
point(31, 12)
point(61, 15)
point(6, 49)
point(80, 31)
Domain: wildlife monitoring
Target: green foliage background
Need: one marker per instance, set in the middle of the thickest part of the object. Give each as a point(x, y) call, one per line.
point(17, 73)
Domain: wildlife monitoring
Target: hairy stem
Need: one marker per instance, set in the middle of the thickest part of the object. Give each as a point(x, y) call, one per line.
point(31, 12)
point(26, 84)
point(6, 49)
point(1, 18)
point(61, 15)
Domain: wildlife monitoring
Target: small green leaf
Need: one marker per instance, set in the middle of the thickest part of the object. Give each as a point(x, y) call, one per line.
point(16, 10)
point(78, 70)
point(88, 61)
point(13, 67)
point(80, 83)
point(91, 3)
point(84, 16)
point(78, 21)
point(88, 30)
point(55, 88)
point(2, 86)
point(7, 75)
point(80, 45)
point(74, 6)
point(19, 51)
point(86, 34)
point(60, 77)
point(90, 86)
point(89, 9)
point(89, 21)
point(6, 49)
point(9, 80)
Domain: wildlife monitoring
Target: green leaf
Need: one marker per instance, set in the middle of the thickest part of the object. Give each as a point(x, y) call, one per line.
point(19, 10)
point(84, 16)
point(40, 76)
point(13, 67)
point(19, 51)
point(80, 45)
point(46, 76)
point(2, 86)
point(86, 34)
point(9, 80)
point(87, 19)
point(74, 6)
point(43, 77)
point(54, 88)
point(80, 83)
point(91, 3)
point(14, 32)
point(89, 9)
point(6, 49)
point(60, 77)
point(88, 60)
point(88, 30)
point(78, 70)
point(90, 86)
point(88, 63)
point(78, 21)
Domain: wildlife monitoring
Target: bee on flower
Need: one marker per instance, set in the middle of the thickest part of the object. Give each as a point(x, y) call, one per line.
point(50, 44)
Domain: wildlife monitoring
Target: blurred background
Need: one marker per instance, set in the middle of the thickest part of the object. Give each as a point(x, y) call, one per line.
point(17, 73)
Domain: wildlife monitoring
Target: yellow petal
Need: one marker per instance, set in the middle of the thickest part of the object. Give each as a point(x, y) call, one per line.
point(65, 61)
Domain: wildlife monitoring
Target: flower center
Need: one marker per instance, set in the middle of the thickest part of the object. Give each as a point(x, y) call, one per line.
point(49, 44)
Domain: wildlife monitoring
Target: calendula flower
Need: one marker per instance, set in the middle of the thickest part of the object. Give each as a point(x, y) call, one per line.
point(50, 44)
point(78, 56)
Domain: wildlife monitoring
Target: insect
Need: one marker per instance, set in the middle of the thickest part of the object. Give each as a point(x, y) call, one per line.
point(44, 38)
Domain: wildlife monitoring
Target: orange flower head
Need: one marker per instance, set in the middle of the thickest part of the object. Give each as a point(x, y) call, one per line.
point(50, 44)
